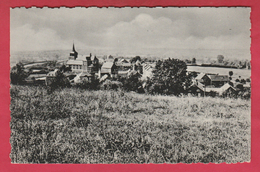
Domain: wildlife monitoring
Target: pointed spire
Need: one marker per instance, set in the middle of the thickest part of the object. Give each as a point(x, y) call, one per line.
point(73, 48)
point(74, 53)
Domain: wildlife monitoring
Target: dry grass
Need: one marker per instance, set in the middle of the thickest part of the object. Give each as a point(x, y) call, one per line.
point(80, 126)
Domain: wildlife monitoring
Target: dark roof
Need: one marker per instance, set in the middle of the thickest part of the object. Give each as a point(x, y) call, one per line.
point(200, 76)
point(124, 64)
point(219, 77)
point(197, 85)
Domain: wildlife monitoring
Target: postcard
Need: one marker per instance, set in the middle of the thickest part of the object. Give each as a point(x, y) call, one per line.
point(130, 85)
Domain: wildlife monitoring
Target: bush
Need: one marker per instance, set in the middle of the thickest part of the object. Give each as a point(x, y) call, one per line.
point(18, 74)
point(59, 81)
point(132, 82)
point(86, 84)
point(111, 85)
point(245, 93)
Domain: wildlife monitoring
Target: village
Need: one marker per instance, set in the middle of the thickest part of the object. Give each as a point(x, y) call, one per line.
point(129, 85)
point(89, 68)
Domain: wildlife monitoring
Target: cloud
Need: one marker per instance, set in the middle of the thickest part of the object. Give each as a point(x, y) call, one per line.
point(25, 38)
point(130, 29)
point(147, 32)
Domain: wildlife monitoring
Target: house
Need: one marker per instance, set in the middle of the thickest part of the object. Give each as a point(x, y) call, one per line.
point(108, 68)
point(123, 61)
point(196, 88)
point(212, 79)
point(225, 90)
point(218, 80)
point(203, 78)
point(123, 65)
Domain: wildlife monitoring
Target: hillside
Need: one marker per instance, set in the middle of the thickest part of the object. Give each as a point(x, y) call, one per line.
point(80, 126)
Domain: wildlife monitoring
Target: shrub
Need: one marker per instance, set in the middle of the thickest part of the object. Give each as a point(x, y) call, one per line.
point(18, 74)
point(245, 93)
point(88, 84)
point(111, 85)
point(132, 82)
point(59, 81)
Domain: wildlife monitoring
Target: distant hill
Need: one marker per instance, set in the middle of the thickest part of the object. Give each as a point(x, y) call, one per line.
point(199, 54)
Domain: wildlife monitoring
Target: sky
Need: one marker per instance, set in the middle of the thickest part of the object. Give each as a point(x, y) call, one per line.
point(125, 30)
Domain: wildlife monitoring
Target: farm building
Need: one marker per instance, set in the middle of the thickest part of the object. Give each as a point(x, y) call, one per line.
point(225, 90)
point(200, 89)
point(218, 80)
point(212, 79)
point(196, 88)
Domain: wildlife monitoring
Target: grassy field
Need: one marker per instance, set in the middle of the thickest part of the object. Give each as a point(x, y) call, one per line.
point(80, 126)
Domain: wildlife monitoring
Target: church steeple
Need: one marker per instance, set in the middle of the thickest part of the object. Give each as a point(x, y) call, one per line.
point(74, 53)
point(73, 48)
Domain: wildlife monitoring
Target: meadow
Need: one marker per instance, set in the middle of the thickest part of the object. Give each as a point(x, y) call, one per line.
point(73, 125)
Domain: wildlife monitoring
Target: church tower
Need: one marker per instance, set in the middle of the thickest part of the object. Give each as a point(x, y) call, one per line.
point(74, 53)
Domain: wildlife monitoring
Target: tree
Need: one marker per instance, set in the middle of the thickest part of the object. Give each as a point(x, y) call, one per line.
point(58, 81)
point(132, 82)
point(169, 77)
point(133, 60)
point(193, 60)
point(64, 69)
point(243, 81)
point(111, 85)
point(220, 58)
point(18, 74)
point(230, 74)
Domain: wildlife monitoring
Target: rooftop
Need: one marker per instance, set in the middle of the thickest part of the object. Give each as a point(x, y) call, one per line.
point(75, 62)
point(218, 77)
point(108, 65)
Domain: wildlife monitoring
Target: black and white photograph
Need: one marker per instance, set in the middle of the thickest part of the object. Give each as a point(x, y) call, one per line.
point(130, 85)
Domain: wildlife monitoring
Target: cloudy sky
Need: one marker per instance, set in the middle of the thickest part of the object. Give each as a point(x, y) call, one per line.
point(128, 29)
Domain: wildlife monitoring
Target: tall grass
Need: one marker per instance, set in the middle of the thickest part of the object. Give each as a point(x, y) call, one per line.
point(80, 126)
